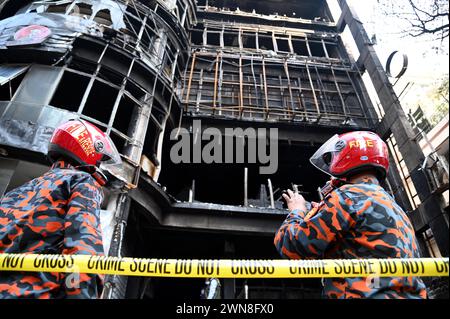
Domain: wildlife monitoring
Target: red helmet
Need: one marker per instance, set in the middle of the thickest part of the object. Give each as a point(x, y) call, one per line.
point(352, 153)
point(83, 143)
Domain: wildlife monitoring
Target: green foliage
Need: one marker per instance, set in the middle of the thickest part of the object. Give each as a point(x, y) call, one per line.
point(441, 103)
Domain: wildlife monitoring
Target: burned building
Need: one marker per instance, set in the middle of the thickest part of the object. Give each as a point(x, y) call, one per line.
point(156, 73)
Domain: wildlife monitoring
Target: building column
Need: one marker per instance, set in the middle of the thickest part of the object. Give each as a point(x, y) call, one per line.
point(115, 286)
point(396, 122)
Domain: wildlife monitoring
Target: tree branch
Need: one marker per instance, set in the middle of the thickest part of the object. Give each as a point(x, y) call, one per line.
point(425, 17)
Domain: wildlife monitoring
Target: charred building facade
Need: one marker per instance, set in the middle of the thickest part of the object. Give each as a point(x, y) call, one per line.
point(157, 73)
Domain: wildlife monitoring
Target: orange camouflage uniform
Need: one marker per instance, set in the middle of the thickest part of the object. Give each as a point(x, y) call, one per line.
point(355, 221)
point(57, 213)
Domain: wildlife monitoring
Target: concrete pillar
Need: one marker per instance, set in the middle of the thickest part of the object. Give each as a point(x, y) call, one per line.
point(159, 46)
point(396, 121)
point(115, 286)
point(141, 115)
point(397, 186)
point(138, 129)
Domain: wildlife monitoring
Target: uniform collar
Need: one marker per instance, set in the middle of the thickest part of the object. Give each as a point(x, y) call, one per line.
point(61, 164)
point(366, 180)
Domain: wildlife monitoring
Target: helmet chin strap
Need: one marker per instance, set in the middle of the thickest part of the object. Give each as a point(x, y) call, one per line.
point(95, 172)
point(332, 184)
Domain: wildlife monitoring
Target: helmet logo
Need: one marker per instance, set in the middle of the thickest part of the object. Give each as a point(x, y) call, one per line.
point(99, 146)
point(362, 144)
point(340, 145)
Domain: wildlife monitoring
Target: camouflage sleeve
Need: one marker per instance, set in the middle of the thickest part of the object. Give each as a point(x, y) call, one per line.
point(308, 235)
point(82, 235)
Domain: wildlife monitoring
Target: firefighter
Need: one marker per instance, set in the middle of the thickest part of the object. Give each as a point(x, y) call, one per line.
point(357, 219)
point(59, 213)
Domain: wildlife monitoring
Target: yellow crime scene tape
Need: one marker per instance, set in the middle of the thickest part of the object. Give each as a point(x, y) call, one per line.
point(423, 267)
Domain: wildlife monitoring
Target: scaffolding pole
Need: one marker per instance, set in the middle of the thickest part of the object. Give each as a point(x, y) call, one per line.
point(316, 102)
point(241, 88)
point(265, 88)
point(216, 72)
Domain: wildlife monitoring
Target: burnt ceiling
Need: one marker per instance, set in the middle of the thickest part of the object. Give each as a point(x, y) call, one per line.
point(308, 9)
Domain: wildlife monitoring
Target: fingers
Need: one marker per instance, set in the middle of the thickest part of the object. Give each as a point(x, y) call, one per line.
point(299, 196)
point(291, 193)
point(286, 197)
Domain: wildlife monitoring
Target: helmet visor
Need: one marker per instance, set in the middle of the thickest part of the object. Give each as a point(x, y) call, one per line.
point(110, 153)
point(103, 144)
point(323, 158)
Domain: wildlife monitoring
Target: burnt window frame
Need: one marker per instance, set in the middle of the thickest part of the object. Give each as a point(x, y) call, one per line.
point(265, 39)
point(280, 41)
point(18, 77)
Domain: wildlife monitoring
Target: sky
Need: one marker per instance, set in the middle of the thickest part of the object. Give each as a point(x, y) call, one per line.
point(428, 60)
